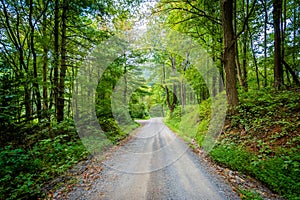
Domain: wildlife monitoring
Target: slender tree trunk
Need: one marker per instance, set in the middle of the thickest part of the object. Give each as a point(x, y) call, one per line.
point(182, 85)
point(51, 95)
point(45, 66)
point(295, 28)
point(245, 48)
point(239, 71)
point(229, 52)
point(255, 62)
point(61, 99)
point(222, 78)
point(56, 57)
point(27, 101)
point(125, 83)
point(34, 64)
point(182, 94)
point(45, 89)
point(237, 62)
point(278, 69)
point(221, 81)
point(214, 78)
point(27, 88)
point(174, 98)
point(169, 104)
point(290, 70)
point(265, 43)
point(283, 28)
point(244, 65)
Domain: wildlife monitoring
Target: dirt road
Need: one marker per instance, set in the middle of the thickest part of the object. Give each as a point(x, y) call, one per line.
point(155, 164)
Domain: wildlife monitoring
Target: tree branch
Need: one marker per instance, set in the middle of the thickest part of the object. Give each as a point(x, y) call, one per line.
point(244, 25)
point(295, 78)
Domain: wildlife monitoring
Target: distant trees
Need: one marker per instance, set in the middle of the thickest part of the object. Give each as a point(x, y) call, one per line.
point(251, 40)
point(254, 44)
point(42, 44)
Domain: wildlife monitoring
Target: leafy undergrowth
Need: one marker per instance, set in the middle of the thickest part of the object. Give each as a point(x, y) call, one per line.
point(26, 169)
point(249, 195)
point(262, 140)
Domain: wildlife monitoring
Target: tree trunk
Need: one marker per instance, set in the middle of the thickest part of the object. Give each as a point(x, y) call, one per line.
point(27, 101)
point(34, 64)
point(174, 96)
point(278, 69)
point(229, 52)
point(61, 91)
point(56, 56)
point(265, 43)
point(182, 94)
point(45, 66)
point(182, 85)
point(237, 59)
point(295, 29)
point(290, 70)
point(166, 89)
point(221, 69)
point(244, 65)
point(245, 48)
point(283, 28)
point(125, 83)
point(255, 62)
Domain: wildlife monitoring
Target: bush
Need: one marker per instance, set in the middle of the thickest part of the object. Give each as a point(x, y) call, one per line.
point(281, 174)
point(15, 182)
point(24, 171)
point(261, 140)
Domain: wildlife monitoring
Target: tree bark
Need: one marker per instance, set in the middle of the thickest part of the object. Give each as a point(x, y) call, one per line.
point(56, 56)
point(125, 82)
point(237, 59)
point(229, 52)
point(174, 96)
point(166, 89)
point(278, 69)
point(255, 62)
point(245, 48)
point(182, 85)
point(61, 92)
point(34, 63)
point(265, 43)
point(290, 70)
point(45, 66)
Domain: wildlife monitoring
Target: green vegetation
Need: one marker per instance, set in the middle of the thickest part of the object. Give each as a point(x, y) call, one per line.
point(43, 45)
point(249, 195)
point(262, 140)
point(26, 170)
point(250, 50)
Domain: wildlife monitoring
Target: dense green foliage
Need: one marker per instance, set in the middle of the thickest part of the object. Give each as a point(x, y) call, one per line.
point(279, 172)
point(262, 140)
point(261, 132)
point(44, 45)
point(26, 170)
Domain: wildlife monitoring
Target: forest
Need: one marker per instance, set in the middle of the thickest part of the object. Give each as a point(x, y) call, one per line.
point(49, 49)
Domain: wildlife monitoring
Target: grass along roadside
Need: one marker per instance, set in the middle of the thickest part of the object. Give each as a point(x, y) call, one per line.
point(261, 141)
point(28, 172)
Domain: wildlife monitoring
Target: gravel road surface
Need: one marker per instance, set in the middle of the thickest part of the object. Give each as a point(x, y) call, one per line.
point(154, 164)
